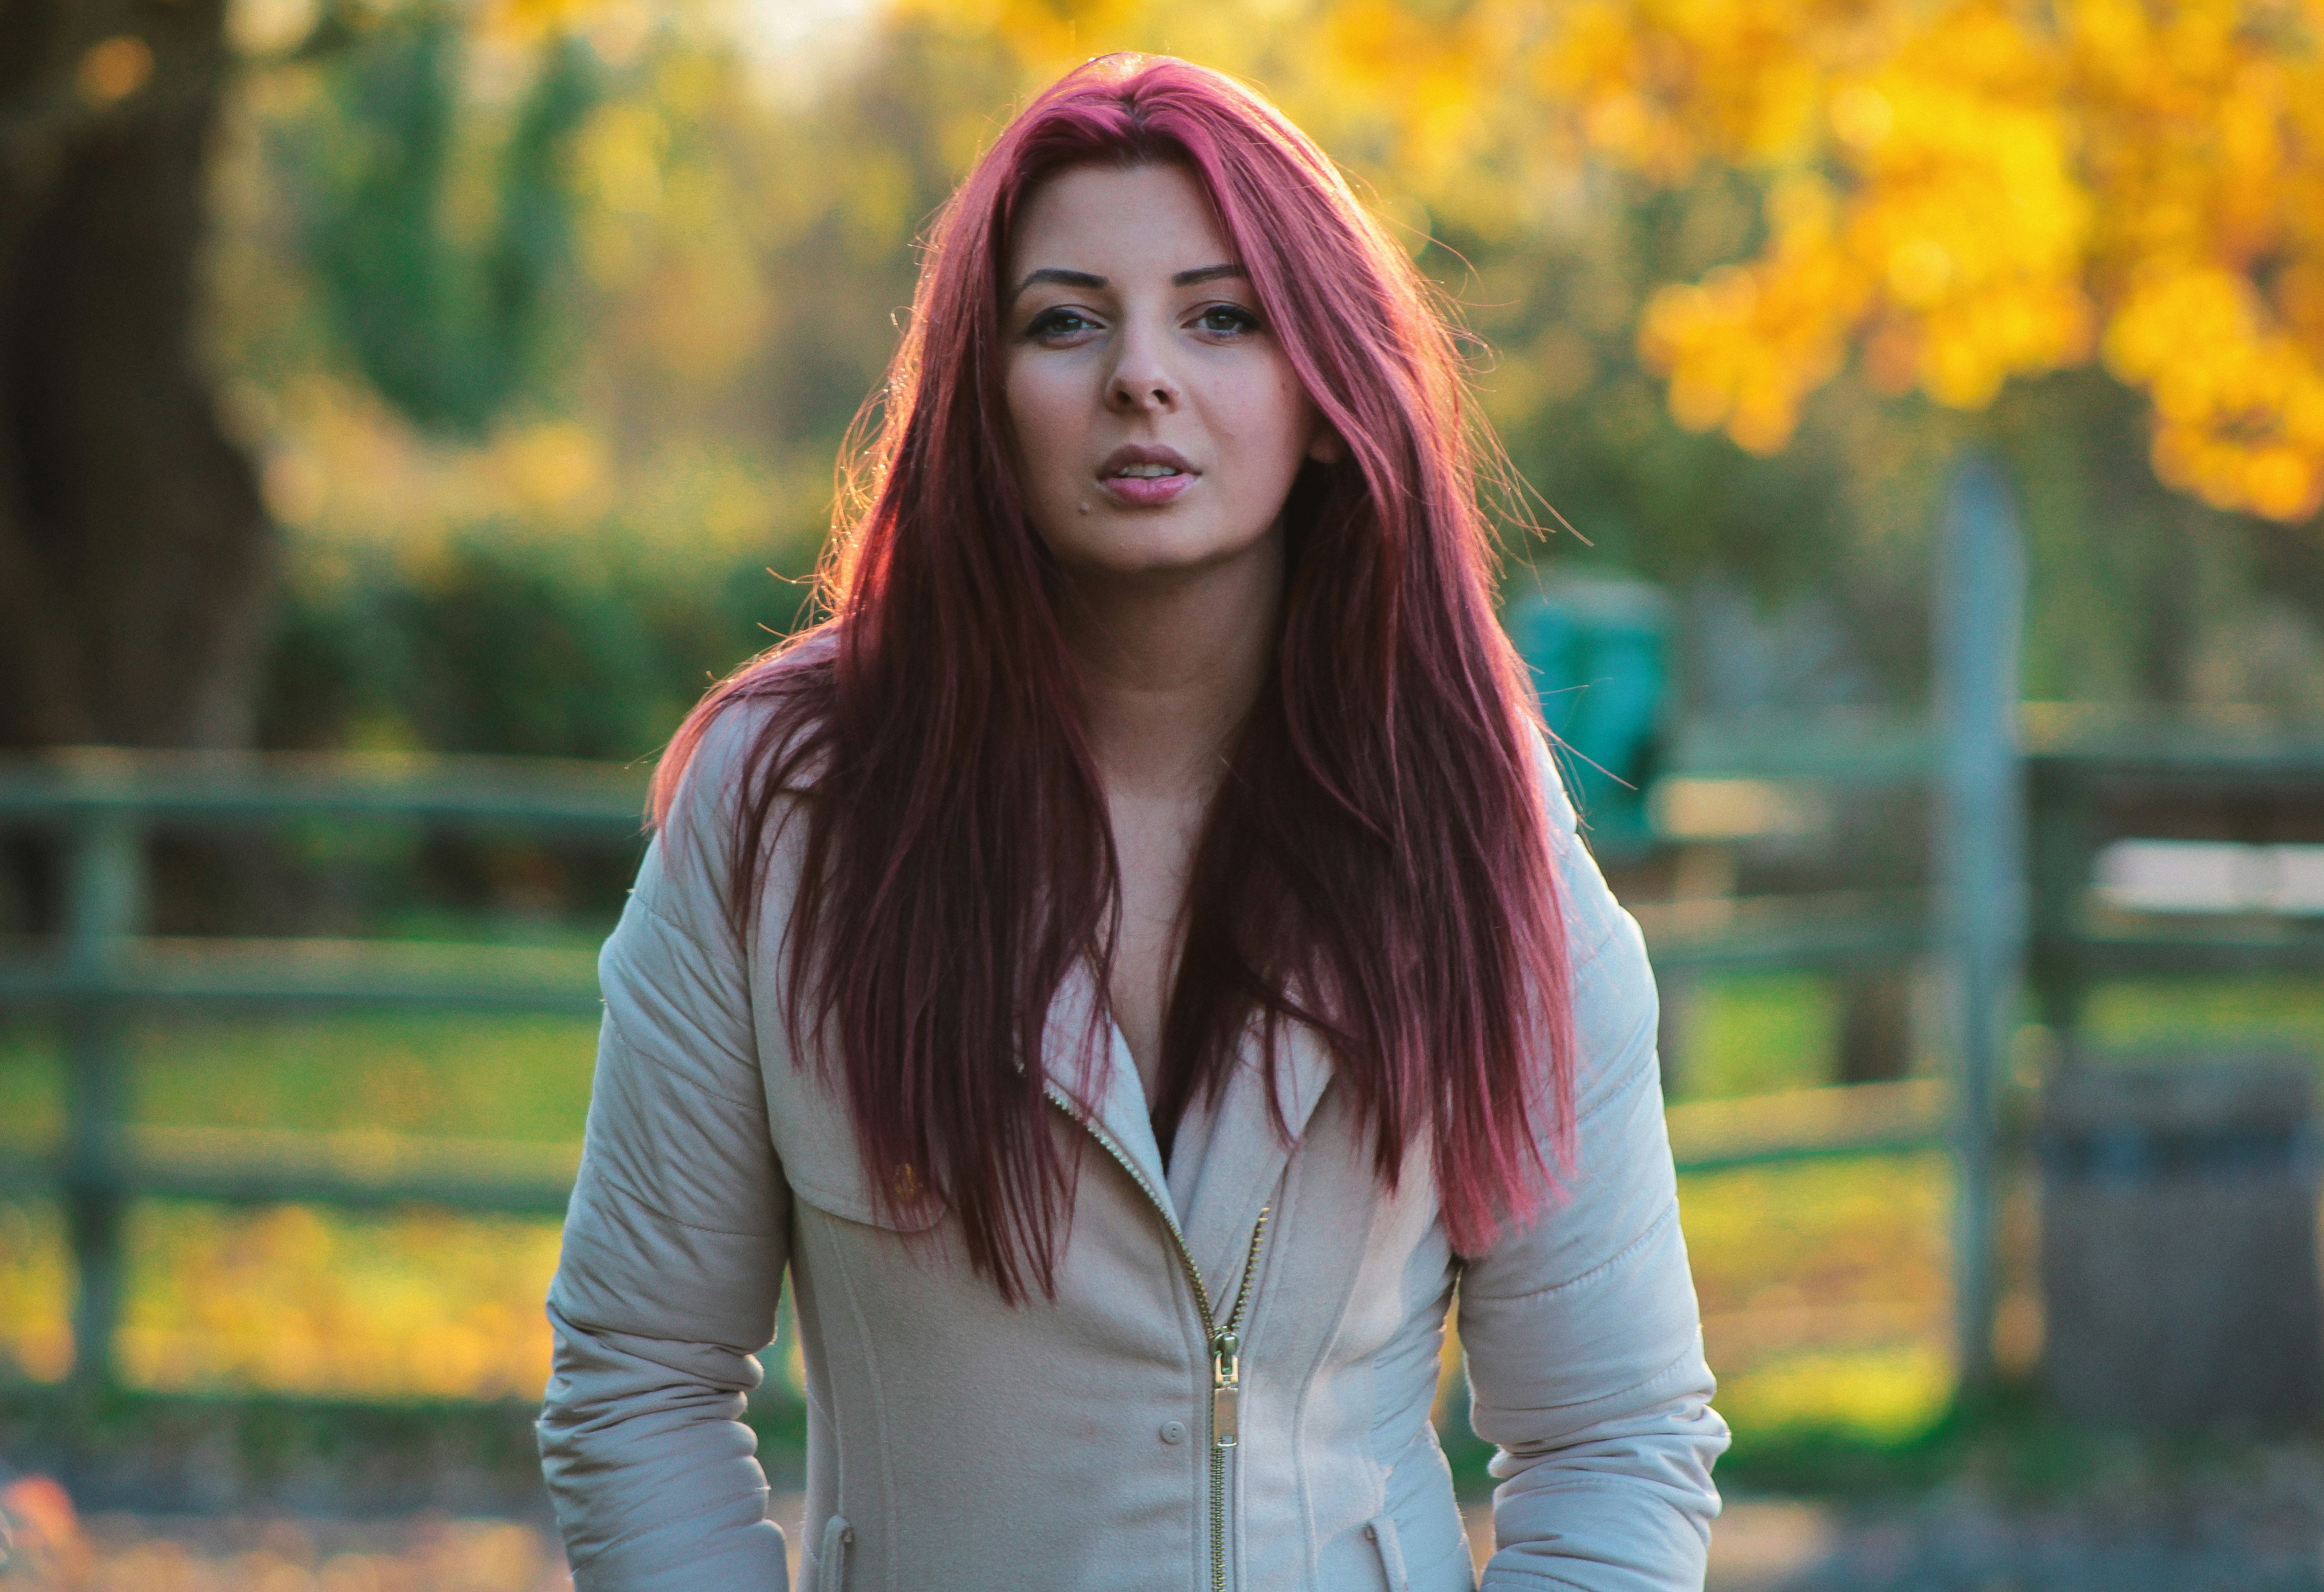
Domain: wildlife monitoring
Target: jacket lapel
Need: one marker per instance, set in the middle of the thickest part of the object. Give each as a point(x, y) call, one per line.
point(1090, 1066)
point(1226, 1162)
point(1227, 1159)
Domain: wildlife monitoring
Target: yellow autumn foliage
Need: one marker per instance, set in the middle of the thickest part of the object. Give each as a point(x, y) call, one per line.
point(295, 1300)
point(1971, 191)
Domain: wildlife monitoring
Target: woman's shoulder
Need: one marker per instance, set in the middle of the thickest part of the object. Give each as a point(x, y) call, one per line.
point(1593, 917)
point(738, 768)
point(763, 722)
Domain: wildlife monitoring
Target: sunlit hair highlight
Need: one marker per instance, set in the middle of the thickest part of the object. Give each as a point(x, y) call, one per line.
point(1378, 863)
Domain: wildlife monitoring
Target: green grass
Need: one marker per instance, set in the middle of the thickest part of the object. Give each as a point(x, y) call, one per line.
point(31, 1091)
point(1757, 1033)
point(2207, 1014)
point(430, 1075)
point(1762, 1032)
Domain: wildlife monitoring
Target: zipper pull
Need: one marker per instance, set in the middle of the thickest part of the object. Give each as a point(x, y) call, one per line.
point(1226, 1389)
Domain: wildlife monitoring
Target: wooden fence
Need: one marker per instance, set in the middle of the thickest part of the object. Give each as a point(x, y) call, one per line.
point(103, 806)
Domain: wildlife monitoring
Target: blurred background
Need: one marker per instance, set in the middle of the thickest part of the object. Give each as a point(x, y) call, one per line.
point(407, 407)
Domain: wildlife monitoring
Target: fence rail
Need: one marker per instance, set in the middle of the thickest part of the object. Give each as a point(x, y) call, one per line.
point(103, 805)
point(277, 973)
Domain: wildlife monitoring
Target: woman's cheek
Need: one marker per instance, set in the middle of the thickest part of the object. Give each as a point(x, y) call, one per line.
point(1048, 441)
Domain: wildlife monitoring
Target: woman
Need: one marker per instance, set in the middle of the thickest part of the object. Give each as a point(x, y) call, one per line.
point(1132, 961)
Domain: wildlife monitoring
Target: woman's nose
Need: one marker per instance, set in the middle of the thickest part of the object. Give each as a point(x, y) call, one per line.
point(1135, 394)
point(1141, 378)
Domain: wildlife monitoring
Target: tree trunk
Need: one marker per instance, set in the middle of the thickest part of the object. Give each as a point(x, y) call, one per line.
point(136, 560)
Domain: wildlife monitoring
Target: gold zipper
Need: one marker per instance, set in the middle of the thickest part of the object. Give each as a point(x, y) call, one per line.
point(1225, 1342)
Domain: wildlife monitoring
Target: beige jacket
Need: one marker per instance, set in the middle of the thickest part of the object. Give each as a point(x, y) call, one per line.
point(956, 1444)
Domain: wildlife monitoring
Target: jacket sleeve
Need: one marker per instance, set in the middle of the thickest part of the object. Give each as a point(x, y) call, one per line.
point(675, 1244)
point(1583, 1343)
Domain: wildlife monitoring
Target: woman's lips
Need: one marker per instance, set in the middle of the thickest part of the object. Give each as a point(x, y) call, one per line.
point(1144, 491)
point(1145, 474)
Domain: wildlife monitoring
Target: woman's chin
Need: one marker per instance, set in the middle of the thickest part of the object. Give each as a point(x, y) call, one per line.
point(1156, 551)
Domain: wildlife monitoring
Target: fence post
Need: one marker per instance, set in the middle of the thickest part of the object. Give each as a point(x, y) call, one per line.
point(1980, 861)
point(104, 902)
point(2062, 844)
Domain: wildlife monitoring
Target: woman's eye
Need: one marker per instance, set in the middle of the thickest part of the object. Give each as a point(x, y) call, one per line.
point(1227, 320)
point(1059, 323)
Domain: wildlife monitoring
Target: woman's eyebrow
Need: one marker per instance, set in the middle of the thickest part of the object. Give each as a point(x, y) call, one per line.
point(1057, 273)
point(1091, 281)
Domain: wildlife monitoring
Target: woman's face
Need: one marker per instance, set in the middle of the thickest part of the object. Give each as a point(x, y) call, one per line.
point(1158, 425)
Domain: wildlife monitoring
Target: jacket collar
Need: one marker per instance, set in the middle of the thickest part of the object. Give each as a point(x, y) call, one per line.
point(1229, 1155)
point(1230, 1158)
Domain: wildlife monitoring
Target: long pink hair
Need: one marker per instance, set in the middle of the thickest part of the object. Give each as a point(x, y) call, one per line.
point(1378, 862)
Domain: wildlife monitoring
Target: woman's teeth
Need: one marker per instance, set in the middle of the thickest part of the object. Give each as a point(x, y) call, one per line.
point(1143, 471)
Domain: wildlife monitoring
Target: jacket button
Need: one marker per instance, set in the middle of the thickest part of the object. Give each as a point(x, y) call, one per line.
point(1174, 1432)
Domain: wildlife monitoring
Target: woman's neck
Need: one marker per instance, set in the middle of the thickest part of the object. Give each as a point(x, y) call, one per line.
point(1171, 662)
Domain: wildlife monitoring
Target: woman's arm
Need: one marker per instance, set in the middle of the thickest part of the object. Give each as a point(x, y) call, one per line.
point(674, 1246)
point(1584, 1348)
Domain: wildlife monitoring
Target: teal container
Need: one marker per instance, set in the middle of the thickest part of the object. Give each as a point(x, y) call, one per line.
point(1599, 652)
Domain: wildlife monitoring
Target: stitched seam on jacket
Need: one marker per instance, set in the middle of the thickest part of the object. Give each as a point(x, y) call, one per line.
point(1662, 1218)
point(692, 1227)
point(1589, 1484)
point(614, 1020)
point(1637, 1080)
point(888, 1512)
point(685, 933)
point(842, 1206)
point(1590, 955)
point(661, 1524)
point(1598, 1481)
point(1494, 1572)
point(1293, 1171)
point(620, 1340)
point(1295, 1175)
point(1676, 1366)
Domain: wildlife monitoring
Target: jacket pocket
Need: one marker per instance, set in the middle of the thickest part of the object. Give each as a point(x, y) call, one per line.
point(815, 1140)
point(1381, 1530)
point(825, 1169)
point(831, 1561)
point(848, 1198)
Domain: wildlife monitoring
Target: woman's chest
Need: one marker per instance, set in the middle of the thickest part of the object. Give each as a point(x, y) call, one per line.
point(1154, 842)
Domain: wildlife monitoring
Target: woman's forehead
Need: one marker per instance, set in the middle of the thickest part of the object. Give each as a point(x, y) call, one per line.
point(1145, 220)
